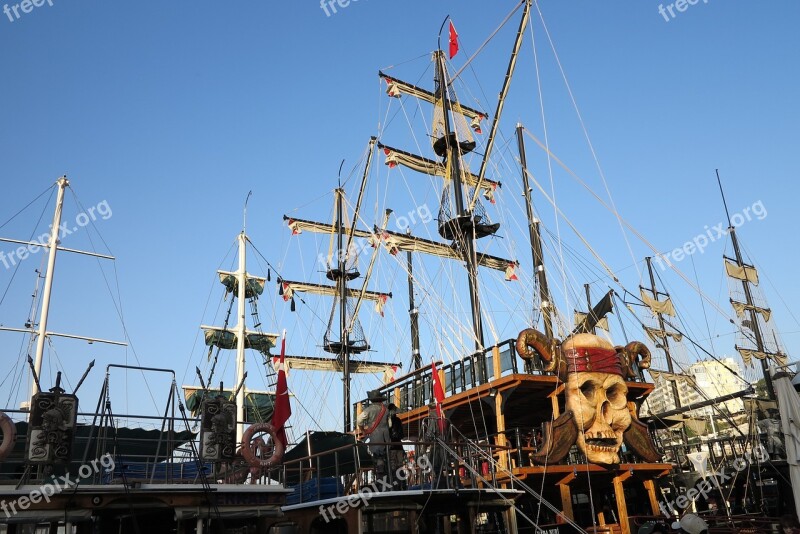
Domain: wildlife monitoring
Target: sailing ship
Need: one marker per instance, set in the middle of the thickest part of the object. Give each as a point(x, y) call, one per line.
point(543, 429)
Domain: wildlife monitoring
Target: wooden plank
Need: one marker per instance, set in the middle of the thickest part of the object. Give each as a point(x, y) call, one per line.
point(622, 507)
point(650, 486)
point(566, 503)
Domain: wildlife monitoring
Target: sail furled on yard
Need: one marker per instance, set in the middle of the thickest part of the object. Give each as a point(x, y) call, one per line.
point(227, 339)
point(253, 287)
point(288, 289)
point(741, 307)
point(657, 334)
point(581, 317)
point(395, 242)
point(742, 272)
point(664, 307)
point(395, 157)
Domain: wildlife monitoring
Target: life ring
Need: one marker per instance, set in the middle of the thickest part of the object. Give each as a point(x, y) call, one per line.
point(9, 435)
point(249, 448)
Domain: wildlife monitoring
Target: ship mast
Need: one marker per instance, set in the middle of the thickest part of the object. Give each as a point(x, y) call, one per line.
point(748, 294)
point(463, 220)
point(534, 230)
point(241, 333)
point(48, 283)
point(662, 334)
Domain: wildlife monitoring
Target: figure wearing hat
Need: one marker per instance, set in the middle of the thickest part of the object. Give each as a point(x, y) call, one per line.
point(373, 423)
point(436, 426)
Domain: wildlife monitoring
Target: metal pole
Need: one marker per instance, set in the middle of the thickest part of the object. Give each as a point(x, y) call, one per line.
point(63, 183)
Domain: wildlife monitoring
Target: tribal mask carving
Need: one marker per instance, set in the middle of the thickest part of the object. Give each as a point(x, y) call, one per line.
point(597, 415)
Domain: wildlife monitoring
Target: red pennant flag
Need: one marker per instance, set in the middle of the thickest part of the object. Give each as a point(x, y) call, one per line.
point(453, 41)
point(282, 409)
point(438, 396)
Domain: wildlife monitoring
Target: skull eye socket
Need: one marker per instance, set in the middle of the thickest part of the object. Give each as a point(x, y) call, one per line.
point(617, 395)
point(588, 389)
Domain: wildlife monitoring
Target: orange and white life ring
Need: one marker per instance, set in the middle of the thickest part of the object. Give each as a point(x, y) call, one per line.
point(9, 435)
point(249, 448)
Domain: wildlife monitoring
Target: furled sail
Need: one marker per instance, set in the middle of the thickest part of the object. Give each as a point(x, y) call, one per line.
point(226, 339)
point(580, 318)
point(254, 285)
point(741, 272)
point(749, 354)
point(656, 334)
point(395, 242)
point(740, 308)
point(395, 157)
point(287, 288)
point(396, 88)
point(314, 363)
point(658, 306)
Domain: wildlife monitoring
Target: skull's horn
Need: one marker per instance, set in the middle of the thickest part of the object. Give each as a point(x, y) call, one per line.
point(547, 348)
point(628, 356)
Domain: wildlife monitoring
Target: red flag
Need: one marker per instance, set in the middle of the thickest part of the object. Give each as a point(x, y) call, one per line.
point(282, 409)
point(438, 396)
point(453, 41)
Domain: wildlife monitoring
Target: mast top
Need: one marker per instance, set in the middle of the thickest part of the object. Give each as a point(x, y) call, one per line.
point(724, 202)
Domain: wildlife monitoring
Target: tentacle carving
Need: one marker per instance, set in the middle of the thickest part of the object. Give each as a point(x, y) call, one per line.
point(557, 438)
point(628, 357)
point(638, 438)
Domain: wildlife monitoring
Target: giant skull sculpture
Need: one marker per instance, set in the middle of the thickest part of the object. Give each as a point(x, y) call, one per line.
point(597, 415)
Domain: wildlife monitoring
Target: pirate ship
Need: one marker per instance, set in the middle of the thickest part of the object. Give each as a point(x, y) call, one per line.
point(545, 433)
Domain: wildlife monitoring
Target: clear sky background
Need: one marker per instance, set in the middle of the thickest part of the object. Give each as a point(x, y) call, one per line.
point(171, 112)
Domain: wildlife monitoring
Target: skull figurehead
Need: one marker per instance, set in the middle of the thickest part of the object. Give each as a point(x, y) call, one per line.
point(597, 396)
point(597, 417)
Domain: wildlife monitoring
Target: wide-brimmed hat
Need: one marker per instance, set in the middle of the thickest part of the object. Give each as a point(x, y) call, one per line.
point(375, 396)
point(693, 524)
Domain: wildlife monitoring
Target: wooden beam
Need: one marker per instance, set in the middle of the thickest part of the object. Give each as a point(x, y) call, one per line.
point(622, 507)
point(650, 486)
point(496, 363)
point(567, 479)
point(500, 439)
point(566, 503)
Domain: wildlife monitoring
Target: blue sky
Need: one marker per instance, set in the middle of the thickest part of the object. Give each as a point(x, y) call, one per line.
point(172, 112)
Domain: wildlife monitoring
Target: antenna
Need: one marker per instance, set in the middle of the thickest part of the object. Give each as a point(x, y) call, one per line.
point(244, 221)
point(439, 41)
point(724, 202)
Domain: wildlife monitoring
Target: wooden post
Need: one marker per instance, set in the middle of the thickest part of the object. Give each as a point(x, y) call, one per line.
point(622, 508)
point(566, 503)
point(496, 363)
point(650, 486)
point(397, 399)
point(500, 417)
